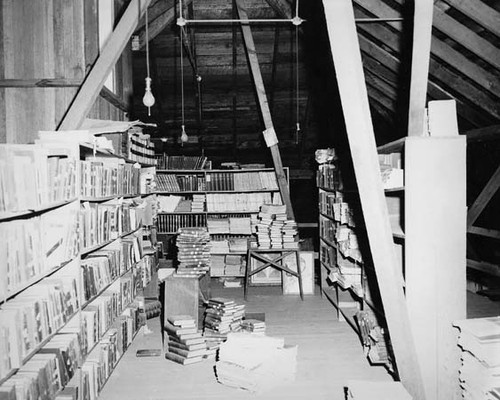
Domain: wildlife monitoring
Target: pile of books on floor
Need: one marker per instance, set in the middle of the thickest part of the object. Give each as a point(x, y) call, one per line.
point(274, 230)
point(221, 317)
point(193, 245)
point(255, 362)
point(254, 326)
point(198, 203)
point(185, 344)
point(374, 390)
point(480, 372)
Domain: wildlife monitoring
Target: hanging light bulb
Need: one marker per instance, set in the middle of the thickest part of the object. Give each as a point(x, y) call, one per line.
point(148, 100)
point(184, 136)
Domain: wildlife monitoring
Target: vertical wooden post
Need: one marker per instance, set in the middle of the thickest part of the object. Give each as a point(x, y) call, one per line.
point(269, 133)
point(349, 70)
point(422, 33)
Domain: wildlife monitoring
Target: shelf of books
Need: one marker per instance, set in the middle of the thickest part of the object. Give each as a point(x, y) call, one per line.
point(226, 202)
point(344, 271)
point(75, 264)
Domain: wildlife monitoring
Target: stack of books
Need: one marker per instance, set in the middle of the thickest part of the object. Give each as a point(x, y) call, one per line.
point(254, 326)
point(480, 372)
point(223, 316)
point(219, 246)
point(217, 264)
point(365, 390)
point(218, 225)
point(240, 226)
point(193, 255)
point(185, 345)
point(255, 362)
point(238, 245)
point(274, 230)
point(198, 203)
point(234, 265)
point(184, 206)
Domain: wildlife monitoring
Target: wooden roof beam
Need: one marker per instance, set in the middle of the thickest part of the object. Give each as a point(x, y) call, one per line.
point(483, 134)
point(352, 88)
point(484, 198)
point(282, 7)
point(269, 133)
point(95, 79)
point(440, 49)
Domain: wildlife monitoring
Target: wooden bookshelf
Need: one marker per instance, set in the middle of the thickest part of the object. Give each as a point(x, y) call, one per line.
point(237, 188)
point(55, 252)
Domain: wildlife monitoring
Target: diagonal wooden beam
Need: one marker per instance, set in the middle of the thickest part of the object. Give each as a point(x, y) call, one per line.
point(282, 8)
point(156, 26)
point(112, 50)
point(483, 199)
point(349, 70)
point(483, 134)
point(492, 233)
point(421, 49)
point(269, 133)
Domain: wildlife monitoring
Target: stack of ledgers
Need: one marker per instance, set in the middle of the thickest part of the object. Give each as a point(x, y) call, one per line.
point(235, 265)
point(240, 226)
point(185, 345)
point(274, 230)
point(198, 203)
point(193, 246)
point(254, 326)
point(480, 372)
point(218, 225)
point(217, 264)
point(221, 317)
point(238, 244)
point(255, 362)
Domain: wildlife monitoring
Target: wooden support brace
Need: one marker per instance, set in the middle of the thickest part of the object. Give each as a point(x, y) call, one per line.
point(348, 66)
point(484, 197)
point(94, 81)
point(269, 133)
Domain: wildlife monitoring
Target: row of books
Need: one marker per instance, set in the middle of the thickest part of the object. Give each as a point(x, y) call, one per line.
point(30, 179)
point(344, 237)
point(32, 247)
point(37, 313)
point(232, 225)
point(165, 161)
point(239, 202)
point(335, 206)
point(227, 265)
point(221, 244)
point(105, 176)
point(328, 177)
point(101, 222)
point(375, 339)
point(217, 181)
point(171, 223)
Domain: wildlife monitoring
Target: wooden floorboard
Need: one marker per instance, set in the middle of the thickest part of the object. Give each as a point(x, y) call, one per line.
point(329, 354)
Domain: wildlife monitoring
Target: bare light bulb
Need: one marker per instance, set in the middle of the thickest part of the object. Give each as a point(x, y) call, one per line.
point(184, 136)
point(148, 100)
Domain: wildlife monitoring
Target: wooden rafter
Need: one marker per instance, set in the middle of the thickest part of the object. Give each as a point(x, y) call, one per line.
point(479, 12)
point(484, 78)
point(492, 233)
point(483, 134)
point(264, 107)
point(348, 67)
point(422, 33)
point(485, 267)
point(156, 9)
point(483, 199)
point(281, 7)
point(112, 50)
point(156, 26)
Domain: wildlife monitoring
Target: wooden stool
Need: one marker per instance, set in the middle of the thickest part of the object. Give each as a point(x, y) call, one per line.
point(272, 261)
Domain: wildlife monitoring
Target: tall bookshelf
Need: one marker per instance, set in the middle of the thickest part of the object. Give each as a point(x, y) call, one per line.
point(424, 186)
point(70, 303)
point(225, 201)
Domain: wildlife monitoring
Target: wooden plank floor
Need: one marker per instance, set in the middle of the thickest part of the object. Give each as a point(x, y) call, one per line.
point(329, 354)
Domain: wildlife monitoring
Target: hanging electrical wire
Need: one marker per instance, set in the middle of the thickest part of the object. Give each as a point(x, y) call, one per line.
point(148, 100)
point(184, 136)
point(297, 99)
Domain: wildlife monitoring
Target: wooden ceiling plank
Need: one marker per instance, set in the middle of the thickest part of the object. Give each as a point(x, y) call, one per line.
point(440, 49)
point(480, 13)
point(486, 267)
point(156, 26)
point(95, 79)
point(463, 88)
point(492, 233)
point(483, 134)
point(421, 49)
point(351, 83)
point(467, 38)
point(484, 198)
point(156, 9)
point(281, 7)
point(264, 106)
